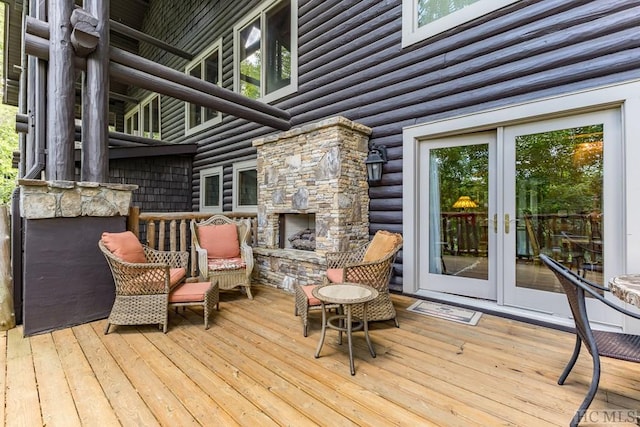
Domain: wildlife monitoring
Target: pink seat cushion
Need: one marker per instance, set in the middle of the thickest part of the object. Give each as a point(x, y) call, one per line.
point(125, 246)
point(189, 292)
point(226, 264)
point(176, 275)
point(220, 241)
point(307, 291)
point(335, 275)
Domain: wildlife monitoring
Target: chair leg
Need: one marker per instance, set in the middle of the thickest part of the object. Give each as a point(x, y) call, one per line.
point(106, 328)
point(304, 316)
point(593, 388)
point(572, 361)
point(248, 289)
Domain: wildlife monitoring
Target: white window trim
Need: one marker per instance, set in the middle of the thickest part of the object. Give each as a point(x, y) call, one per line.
point(128, 115)
point(139, 109)
point(141, 117)
point(237, 168)
point(261, 11)
point(624, 95)
point(217, 170)
point(198, 60)
point(411, 33)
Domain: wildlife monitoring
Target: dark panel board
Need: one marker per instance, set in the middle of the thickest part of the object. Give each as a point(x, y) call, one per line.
point(68, 281)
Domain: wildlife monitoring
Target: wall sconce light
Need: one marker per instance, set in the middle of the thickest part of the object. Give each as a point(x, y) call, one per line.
point(376, 158)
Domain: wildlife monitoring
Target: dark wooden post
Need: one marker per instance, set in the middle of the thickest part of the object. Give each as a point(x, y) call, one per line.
point(60, 93)
point(7, 312)
point(95, 99)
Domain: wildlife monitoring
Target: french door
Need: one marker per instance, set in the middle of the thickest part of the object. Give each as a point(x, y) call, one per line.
point(457, 206)
point(563, 198)
point(492, 202)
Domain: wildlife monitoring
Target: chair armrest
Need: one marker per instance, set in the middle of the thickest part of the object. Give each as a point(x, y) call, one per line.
point(609, 303)
point(140, 278)
point(246, 253)
point(175, 259)
point(341, 259)
point(375, 273)
point(203, 264)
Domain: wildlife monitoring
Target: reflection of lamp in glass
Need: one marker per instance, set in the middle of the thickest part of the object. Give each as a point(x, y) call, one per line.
point(464, 202)
point(587, 153)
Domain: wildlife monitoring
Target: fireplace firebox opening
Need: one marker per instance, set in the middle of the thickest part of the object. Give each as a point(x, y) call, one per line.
point(297, 231)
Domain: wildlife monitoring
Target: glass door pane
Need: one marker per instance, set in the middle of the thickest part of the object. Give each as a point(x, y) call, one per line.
point(562, 197)
point(559, 177)
point(457, 199)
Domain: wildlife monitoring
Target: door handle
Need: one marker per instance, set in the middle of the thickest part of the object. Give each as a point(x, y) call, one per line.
point(506, 223)
point(495, 223)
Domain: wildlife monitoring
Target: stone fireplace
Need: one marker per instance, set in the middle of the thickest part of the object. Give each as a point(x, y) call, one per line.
point(310, 178)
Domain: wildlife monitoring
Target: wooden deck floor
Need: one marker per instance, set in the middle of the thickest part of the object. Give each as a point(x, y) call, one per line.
point(253, 367)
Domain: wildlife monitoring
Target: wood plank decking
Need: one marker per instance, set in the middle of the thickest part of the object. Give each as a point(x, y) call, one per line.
point(253, 367)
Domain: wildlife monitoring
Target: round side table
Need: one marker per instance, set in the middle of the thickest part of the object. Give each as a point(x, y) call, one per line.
point(345, 294)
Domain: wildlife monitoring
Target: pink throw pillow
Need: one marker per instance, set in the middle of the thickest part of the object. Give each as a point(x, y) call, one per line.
point(220, 241)
point(125, 246)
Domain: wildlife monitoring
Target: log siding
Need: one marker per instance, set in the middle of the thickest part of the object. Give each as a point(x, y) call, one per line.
point(352, 63)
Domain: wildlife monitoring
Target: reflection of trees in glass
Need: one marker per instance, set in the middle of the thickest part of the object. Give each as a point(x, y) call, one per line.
point(560, 170)
point(278, 47)
point(463, 171)
point(432, 10)
point(250, 76)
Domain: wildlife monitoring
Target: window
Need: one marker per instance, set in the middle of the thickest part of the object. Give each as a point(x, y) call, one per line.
point(211, 190)
point(207, 67)
point(144, 119)
point(422, 19)
point(132, 121)
point(245, 186)
point(266, 51)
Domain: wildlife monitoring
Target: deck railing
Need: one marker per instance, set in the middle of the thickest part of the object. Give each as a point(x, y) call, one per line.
point(171, 230)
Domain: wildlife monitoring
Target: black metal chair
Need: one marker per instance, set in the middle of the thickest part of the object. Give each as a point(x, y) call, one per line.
point(598, 343)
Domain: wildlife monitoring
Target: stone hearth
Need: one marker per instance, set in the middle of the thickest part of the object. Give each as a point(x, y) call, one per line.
point(314, 170)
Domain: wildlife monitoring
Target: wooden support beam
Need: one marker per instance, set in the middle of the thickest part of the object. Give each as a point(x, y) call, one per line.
point(95, 98)
point(41, 29)
point(141, 79)
point(60, 93)
point(36, 139)
point(150, 67)
point(139, 35)
point(35, 46)
point(85, 36)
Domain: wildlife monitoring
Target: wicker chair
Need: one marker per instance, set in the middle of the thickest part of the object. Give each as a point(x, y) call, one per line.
point(229, 271)
point(363, 265)
point(142, 287)
point(598, 343)
point(306, 302)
